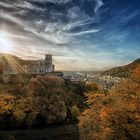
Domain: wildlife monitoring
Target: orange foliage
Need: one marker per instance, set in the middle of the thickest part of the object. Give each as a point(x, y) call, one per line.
point(42, 100)
point(136, 74)
point(112, 116)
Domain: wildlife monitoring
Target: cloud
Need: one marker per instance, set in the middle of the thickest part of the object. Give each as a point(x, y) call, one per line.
point(81, 34)
point(53, 1)
point(27, 5)
point(99, 4)
point(84, 32)
point(11, 18)
point(5, 5)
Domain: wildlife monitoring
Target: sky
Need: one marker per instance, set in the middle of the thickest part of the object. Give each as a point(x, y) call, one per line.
point(80, 34)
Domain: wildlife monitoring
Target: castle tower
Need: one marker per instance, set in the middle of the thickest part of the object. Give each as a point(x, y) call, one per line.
point(48, 66)
point(48, 59)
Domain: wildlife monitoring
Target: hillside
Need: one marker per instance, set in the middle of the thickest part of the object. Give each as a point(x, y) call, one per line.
point(123, 71)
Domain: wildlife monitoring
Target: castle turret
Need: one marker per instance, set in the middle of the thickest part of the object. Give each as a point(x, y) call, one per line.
point(48, 59)
point(46, 64)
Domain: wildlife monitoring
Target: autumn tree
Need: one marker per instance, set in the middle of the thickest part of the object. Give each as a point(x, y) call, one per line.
point(40, 101)
point(113, 116)
point(136, 74)
point(51, 95)
point(92, 86)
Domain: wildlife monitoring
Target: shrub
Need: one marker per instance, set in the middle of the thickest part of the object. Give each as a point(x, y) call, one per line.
point(75, 112)
point(92, 87)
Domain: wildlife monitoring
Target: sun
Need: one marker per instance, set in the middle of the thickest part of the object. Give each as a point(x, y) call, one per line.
point(5, 44)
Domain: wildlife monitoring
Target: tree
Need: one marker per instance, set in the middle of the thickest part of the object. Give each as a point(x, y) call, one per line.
point(51, 95)
point(113, 116)
point(92, 87)
point(136, 74)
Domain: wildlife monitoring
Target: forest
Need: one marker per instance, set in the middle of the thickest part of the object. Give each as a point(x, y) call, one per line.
point(44, 101)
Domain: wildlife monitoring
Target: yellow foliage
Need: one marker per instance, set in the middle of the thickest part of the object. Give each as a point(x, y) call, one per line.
point(75, 111)
point(112, 116)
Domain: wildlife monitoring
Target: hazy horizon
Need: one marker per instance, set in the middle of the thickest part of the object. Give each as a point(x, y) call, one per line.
point(81, 35)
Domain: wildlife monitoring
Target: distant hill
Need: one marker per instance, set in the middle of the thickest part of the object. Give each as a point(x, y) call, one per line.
point(123, 71)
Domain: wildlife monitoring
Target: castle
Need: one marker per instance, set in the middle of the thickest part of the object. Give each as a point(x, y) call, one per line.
point(13, 65)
